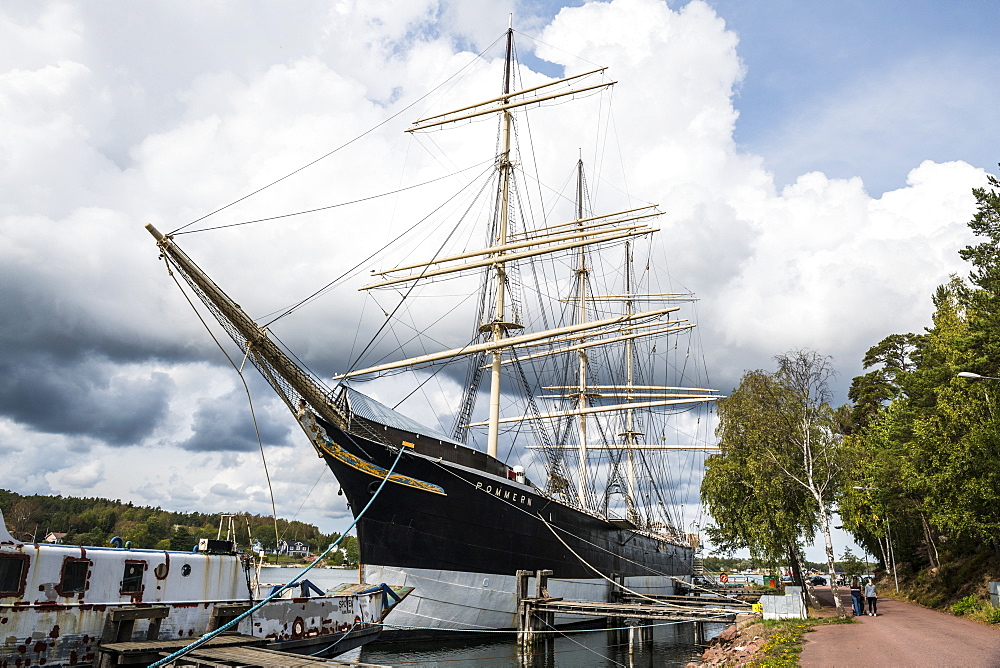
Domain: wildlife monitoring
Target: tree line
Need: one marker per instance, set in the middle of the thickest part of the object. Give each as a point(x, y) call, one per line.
point(95, 521)
point(848, 563)
point(911, 464)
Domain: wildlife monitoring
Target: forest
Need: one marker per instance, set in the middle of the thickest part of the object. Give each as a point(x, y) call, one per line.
point(95, 521)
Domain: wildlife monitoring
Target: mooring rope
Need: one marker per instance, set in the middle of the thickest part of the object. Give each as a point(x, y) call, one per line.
point(405, 627)
point(554, 630)
point(602, 575)
point(596, 546)
point(336, 642)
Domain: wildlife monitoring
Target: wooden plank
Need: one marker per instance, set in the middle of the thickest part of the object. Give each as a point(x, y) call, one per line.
point(230, 610)
point(595, 609)
point(257, 656)
point(224, 651)
point(177, 643)
point(271, 657)
point(196, 662)
point(123, 614)
point(693, 601)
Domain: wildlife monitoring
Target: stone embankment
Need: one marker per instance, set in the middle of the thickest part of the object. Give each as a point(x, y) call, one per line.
point(737, 645)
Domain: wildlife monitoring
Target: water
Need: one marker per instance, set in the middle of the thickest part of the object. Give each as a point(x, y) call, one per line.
point(671, 645)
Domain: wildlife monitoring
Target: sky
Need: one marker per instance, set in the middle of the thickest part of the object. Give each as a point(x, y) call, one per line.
point(814, 161)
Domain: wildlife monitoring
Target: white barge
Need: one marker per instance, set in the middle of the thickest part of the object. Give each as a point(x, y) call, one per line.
point(59, 603)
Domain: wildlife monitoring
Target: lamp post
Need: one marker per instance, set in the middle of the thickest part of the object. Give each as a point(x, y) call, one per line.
point(888, 535)
point(975, 376)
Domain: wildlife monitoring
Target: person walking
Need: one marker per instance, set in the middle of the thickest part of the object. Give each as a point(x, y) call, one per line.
point(857, 597)
point(871, 595)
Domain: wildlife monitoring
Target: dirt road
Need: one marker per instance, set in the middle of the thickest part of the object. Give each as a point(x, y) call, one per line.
point(902, 635)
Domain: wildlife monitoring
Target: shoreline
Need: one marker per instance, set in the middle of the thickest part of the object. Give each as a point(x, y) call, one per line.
point(753, 639)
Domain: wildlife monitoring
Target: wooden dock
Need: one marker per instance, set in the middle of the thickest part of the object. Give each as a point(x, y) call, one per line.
point(255, 657)
point(730, 600)
point(739, 592)
point(536, 615)
point(224, 651)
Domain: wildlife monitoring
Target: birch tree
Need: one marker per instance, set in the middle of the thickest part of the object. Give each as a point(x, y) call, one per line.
point(785, 419)
point(808, 451)
point(753, 507)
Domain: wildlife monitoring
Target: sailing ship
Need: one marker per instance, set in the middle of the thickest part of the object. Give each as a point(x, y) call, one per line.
point(457, 521)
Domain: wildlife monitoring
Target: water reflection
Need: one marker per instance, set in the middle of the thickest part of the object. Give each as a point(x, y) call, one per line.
point(666, 644)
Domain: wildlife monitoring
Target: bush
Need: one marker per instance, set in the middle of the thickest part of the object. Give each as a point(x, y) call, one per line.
point(966, 605)
point(992, 615)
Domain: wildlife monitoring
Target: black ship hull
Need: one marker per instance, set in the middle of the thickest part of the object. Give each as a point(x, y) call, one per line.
point(467, 524)
point(484, 523)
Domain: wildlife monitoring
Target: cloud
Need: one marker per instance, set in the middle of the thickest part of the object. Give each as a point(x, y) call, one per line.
point(818, 264)
point(83, 476)
point(38, 34)
point(226, 423)
point(827, 260)
point(222, 489)
point(110, 125)
point(92, 398)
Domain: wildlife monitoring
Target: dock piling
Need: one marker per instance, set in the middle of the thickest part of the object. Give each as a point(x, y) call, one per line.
point(626, 618)
point(532, 621)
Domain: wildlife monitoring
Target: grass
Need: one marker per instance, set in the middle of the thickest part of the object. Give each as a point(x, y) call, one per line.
point(977, 610)
point(784, 639)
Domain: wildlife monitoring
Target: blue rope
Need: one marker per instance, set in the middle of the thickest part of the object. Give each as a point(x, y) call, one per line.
point(208, 636)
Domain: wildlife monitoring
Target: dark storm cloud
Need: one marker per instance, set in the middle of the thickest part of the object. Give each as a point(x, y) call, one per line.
point(71, 360)
point(89, 397)
point(60, 320)
point(225, 423)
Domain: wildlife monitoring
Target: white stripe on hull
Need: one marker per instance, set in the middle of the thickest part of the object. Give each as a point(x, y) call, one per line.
point(458, 601)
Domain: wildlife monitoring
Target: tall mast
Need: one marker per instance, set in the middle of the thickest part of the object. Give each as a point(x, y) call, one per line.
point(582, 402)
point(630, 432)
point(498, 326)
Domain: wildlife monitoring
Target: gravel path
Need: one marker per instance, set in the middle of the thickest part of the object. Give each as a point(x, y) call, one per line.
point(902, 635)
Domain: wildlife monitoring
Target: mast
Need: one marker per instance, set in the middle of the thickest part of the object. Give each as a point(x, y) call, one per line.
point(498, 326)
point(581, 402)
point(630, 432)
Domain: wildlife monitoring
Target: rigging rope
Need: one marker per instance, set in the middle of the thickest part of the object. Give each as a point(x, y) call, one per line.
point(239, 372)
point(323, 208)
point(408, 292)
point(350, 271)
point(342, 146)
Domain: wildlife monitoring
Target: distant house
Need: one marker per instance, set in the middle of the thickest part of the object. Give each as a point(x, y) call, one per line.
point(294, 548)
point(53, 537)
